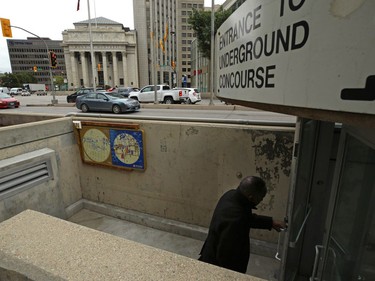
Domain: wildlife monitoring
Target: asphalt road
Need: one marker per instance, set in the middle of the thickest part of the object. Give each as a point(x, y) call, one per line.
point(218, 112)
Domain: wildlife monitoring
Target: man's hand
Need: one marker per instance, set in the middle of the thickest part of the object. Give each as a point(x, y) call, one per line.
point(279, 225)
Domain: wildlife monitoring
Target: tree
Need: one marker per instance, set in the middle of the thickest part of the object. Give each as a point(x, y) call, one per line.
point(25, 78)
point(59, 81)
point(17, 80)
point(201, 24)
point(9, 80)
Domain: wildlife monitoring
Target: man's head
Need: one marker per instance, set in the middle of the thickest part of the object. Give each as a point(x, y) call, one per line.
point(254, 188)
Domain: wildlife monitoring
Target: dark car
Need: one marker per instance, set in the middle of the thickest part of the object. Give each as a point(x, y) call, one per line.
point(73, 97)
point(6, 101)
point(124, 91)
point(109, 102)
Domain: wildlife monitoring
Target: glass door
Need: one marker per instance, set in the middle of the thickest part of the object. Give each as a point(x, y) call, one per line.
point(349, 247)
point(306, 209)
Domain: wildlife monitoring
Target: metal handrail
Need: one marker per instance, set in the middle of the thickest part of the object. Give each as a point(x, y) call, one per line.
point(317, 250)
point(277, 256)
point(293, 244)
point(185, 119)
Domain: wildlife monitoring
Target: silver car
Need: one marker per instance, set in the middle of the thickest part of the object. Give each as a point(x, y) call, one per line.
point(108, 102)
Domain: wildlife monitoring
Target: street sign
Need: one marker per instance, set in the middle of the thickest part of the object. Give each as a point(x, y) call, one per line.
point(6, 28)
point(314, 54)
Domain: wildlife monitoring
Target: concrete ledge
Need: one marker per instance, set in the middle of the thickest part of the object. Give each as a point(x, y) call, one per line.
point(171, 226)
point(39, 247)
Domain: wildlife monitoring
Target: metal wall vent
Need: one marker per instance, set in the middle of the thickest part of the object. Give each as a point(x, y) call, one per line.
point(25, 171)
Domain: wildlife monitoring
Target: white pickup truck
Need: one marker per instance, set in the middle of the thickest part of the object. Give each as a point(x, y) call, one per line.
point(164, 94)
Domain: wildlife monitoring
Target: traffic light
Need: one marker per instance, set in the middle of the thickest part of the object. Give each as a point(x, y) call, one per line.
point(173, 64)
point(53, 59)
point(35, 68)
point(99, 67)
point(6, 28)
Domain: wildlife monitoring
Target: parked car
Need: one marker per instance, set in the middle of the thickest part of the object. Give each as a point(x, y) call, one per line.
point(15, 91)
point(164, 94)
point(4, 90)
point(25, 93)
point(194, 95)
point(109, 102)
point(6, 101)
point(125, 91)
point(73, 97)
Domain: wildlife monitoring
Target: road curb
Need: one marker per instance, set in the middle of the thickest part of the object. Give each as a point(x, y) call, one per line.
point(167, 106)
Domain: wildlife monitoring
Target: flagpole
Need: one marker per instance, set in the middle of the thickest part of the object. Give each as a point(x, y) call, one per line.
point(93, 67)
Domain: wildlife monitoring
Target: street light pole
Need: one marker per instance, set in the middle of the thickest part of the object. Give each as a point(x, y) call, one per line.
point(212, 52)
point(173, 62)
point(54, 100)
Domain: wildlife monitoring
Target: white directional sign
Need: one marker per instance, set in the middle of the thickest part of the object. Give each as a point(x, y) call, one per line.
point(306, 53)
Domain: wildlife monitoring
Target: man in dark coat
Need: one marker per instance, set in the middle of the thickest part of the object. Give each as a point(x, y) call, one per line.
point(228, 242)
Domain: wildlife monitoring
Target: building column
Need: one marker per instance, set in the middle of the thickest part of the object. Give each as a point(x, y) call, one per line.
point(94, 65)
point(105, 68)
point(74, 73)
point(125, 68)
point(84, 70)
point(115, 70)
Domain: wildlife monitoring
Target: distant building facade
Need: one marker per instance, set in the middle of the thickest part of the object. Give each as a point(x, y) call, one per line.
point(114, 60)
point(164, 40)
point(27, 55)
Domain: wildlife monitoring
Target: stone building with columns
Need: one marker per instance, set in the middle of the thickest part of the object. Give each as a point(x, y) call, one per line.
point(114, 61)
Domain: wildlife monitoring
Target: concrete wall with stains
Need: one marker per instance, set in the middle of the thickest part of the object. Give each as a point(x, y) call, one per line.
point(189, 166)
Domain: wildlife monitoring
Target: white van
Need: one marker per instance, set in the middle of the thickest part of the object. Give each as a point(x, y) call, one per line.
point(15, 91)
point(4, 90)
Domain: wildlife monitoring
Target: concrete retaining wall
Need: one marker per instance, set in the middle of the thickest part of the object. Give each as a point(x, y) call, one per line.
point(57, 135)
point(189, 166)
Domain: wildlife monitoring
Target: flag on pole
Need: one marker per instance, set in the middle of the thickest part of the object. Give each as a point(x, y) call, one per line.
point(78, 5)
